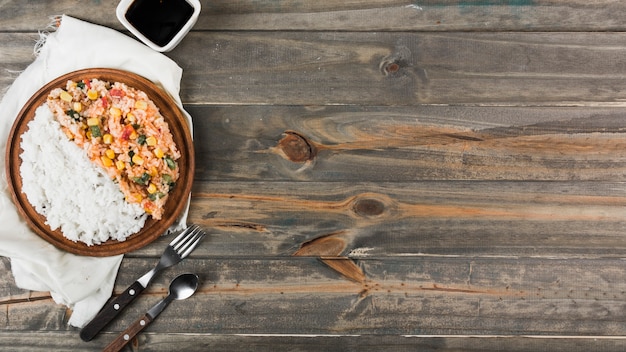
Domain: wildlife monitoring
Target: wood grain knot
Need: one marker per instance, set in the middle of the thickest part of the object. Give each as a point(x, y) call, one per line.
point(391, 67)
point(368, 207)
point(388, 67)
point(372, 205)
point(296, 147)
point(392, 64)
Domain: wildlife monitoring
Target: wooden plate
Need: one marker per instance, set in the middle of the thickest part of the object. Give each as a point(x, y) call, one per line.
point(152, 229)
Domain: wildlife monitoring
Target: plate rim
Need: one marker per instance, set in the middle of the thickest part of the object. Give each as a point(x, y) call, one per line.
point(152, 229)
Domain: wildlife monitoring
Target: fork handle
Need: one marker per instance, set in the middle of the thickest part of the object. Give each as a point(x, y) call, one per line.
point(127, 335)
point(110, 311)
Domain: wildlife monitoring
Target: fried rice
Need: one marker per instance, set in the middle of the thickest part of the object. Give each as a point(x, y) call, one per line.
point(122, 131)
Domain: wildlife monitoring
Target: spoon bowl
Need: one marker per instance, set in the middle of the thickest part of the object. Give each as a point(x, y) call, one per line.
point(183, 286)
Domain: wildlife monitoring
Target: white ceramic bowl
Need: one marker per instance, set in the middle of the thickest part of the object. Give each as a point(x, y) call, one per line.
point(122, 10)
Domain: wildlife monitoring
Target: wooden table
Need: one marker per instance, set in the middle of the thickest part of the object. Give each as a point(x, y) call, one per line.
point(382, 175)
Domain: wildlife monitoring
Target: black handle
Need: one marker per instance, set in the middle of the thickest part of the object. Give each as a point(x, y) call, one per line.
point(110, 311)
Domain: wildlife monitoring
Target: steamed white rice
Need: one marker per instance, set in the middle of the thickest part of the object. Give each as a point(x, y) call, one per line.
point(73, 193)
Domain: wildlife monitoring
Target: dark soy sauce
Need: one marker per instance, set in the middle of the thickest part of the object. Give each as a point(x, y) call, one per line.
point(159, 20)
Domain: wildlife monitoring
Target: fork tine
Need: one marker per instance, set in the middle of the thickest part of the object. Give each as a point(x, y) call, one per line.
point(191, 245)
point(183, 234)
point(189, 237)
point(190, 241)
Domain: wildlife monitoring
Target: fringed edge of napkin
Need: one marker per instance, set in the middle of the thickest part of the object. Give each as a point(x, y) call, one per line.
point(53, 25)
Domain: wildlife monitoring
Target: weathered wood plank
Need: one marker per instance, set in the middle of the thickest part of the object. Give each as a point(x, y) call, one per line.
point(402, 68)
point(546, 219)
point(416, 296)
point(414, 15)
point(396, 144)
point(328, 68)
point(16, 54)
point(271, 343)
point(46, 341)
point(406, 15)
point(363, 15)
point(438, 295)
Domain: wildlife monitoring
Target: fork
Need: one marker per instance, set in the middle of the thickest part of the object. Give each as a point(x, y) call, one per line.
point(176, 251)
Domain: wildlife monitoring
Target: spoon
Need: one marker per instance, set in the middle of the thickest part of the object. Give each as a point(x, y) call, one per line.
point(183, 286)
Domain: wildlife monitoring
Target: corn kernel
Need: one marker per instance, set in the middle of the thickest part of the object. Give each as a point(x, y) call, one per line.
point(151, 141)
point(106, 161)
point(130, 118)
point(115, 112)
point(92, 94)
point(152, 188)
point(120, 165)
point(158, 152)
point(65, 96)
point(137, 159)
point(107, 138)
point(94, 121)
point(141, 105)
point(110, 153)
point(153, 171)
point(77, 106)
point(134, 198)
point(133, 135)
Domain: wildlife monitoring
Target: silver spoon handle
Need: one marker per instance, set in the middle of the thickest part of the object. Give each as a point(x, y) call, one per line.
point(127, 335)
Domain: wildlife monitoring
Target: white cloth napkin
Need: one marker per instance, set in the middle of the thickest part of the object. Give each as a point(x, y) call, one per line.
point(82, 283)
